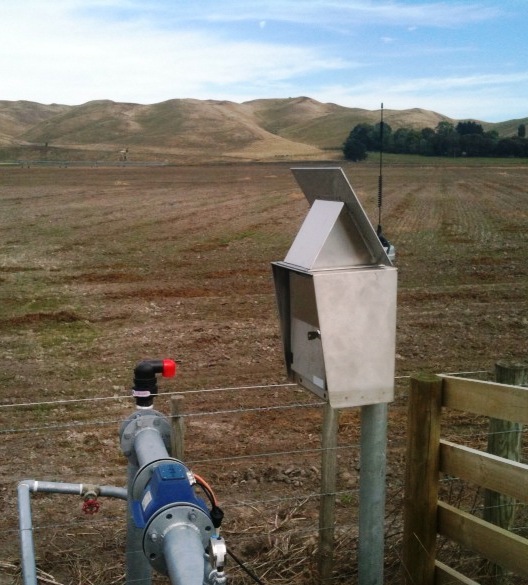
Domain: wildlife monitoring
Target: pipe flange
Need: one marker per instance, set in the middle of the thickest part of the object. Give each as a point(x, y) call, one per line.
point(138, 422)
point(169, 518)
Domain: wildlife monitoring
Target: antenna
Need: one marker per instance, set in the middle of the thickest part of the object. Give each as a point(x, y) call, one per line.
point(380, 179)
point(389, 248)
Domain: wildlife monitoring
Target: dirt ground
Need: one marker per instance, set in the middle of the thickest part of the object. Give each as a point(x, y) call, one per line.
point(103, 267)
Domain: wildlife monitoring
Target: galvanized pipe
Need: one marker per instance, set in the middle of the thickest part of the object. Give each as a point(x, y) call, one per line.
point(143, 445)
point(27, 549)
point(25, 487)
point(149, 446)
point(75, 489)
point(372, 494)
point(184, 555)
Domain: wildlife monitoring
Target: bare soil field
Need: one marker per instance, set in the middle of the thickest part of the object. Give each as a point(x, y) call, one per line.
point(103, 267)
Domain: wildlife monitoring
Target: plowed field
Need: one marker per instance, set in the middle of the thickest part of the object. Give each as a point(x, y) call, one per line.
point(103, 267)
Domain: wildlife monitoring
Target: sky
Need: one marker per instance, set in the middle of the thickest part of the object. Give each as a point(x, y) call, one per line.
point(464, 59)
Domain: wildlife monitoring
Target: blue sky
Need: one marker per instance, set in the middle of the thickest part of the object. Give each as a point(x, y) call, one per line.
point(464, 59)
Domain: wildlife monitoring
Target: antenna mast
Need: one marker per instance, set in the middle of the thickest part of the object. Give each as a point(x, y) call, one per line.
point(380, 179)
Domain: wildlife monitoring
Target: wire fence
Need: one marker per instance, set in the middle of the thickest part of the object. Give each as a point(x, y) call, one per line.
point(259, 446)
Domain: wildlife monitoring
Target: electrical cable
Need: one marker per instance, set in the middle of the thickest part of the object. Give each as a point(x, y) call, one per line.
point(244, 568)
point(216, 513)
point(206, 488)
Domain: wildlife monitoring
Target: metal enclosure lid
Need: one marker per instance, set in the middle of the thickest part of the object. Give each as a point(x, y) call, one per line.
point(328, 239)
point(330, 184)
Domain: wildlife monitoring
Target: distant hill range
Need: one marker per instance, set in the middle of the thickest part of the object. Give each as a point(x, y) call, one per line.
point(189, 130)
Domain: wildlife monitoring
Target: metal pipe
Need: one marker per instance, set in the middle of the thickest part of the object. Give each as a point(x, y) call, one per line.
point(27, 549)
point(184, 555)
point(143, 444)
point(372, 493)
point(76, 489)
point(138, 569)
point(25, 487)
point(149, 446)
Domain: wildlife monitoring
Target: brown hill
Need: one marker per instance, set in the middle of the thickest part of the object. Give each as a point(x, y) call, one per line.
point(189, 129)
point(19, 117)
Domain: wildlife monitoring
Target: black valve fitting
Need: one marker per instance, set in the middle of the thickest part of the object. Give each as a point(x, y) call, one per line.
point(145, 382)
point(217, 515)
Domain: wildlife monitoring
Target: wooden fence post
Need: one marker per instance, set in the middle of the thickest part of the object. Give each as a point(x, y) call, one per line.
point(177, 427)
point(504, 440)
point(421, 479)
point(328, 487)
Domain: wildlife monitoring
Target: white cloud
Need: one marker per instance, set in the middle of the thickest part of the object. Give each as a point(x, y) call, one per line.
point(461, 97)
point(496, 80)
point(78, 60)
point(72, 51)
point(427, 14)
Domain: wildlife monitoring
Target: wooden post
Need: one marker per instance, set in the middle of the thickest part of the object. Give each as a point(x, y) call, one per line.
point(177, 427)
point(421, 479)
point(504, 440)
point(328, 488)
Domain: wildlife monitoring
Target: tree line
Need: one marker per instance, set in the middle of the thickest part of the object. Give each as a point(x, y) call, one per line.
point(465, 139)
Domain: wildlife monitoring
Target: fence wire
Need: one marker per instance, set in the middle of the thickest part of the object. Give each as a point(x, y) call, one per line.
point(275, 530)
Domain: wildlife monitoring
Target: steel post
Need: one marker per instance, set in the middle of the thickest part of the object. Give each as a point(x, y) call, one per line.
point(372, 493)
point(29, 569)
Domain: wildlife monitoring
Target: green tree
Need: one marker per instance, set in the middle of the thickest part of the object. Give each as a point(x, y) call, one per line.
point(469, 127)
point(426, 142)
point(444, 128)
point(476, 145)
point(446, 140)
point(427, 133)
point(407, 141)
point(377, 137)
point(492, 134)
point(521, 131)
point(366, 134)
point(509, 147)
point(354, 149)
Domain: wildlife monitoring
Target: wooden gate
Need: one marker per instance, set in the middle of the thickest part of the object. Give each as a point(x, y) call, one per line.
point(428, 456)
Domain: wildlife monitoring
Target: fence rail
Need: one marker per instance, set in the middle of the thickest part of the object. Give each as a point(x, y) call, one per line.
point(428, 456)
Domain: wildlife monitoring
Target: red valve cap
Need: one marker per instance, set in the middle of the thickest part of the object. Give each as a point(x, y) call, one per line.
point(91, 506)
point(169, 368)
